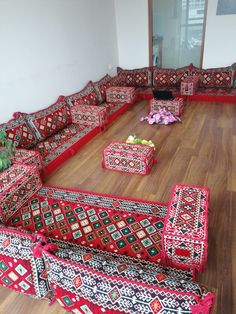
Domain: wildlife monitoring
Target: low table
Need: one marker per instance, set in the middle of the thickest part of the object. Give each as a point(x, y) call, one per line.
point(131, 158)
point(175, 106)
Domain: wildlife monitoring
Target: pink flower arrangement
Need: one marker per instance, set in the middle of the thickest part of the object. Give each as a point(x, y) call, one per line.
point(161, 116)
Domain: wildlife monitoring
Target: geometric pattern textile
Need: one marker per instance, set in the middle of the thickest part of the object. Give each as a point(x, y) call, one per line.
point(89, 115)
point(101, 86)
point(189, 85)
point(95, 283)
point(19, 269)
point(137, 77)
point(87, 96)
point(19, 133)
point(168, 77)
point(50, 120)
point(131, 158)
point(218, 77)
point(119, 94)
point(175, 106)
point(55, 145)
point(28, 157)
point(185, 236)
point(17, 184)
point(116, 225)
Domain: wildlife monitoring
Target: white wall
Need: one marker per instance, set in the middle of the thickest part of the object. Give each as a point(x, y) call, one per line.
point(132, 33)
point(52, 47)
point(220, 38)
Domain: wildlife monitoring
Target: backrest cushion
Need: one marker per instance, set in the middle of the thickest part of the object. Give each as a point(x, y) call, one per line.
point(19, 133)
point(137, 77)
point(168, 77)
point(87, 96)
point(214, 77)
point(101, 86)
point(50, 120)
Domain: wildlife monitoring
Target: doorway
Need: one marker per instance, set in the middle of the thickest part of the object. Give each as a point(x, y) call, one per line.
point(177, 32)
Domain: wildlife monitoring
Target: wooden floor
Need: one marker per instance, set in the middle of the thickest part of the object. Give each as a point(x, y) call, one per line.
point(201, 151)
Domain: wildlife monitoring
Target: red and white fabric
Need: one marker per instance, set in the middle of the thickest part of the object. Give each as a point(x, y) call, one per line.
point(86, 96)
point(101, 86)
point(17, 184)
point(189, 85)
point(119, 94)
point(131, 158)
point(185, 235)
point(175, 106)
point(89, 115)
point(28, 157)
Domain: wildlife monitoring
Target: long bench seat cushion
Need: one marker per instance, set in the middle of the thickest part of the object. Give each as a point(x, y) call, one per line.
point(19, 133)
point(136, 77)
point(58, 147)
point(101, 86)
point(87, 96)
point(50, 120)
point(168, 77)
point(94, 281)
point(19, 269)
point(215, 77)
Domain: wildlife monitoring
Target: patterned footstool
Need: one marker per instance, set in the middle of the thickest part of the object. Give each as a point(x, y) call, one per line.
point(132, 158)
point(28, 157)
point(89, 115)
point(185, 235)
point(17, 184)
point(189, 85)
point(118, 94)
point(175, 106)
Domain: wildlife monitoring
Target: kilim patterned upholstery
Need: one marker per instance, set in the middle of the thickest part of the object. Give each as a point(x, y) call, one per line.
point(117, 94)
point(175, 106)
point(28, 157)
point(185, 236)
point(131, 158)
point(97, 282)
point(17, 184)
point(19, 269)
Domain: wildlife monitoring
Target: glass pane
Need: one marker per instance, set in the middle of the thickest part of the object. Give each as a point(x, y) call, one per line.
point(177, 32)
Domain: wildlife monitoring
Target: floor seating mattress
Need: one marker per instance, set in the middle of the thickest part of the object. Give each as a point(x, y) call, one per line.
point(127, 227)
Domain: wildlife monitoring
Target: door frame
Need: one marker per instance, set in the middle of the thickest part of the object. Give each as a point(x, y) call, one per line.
point(150, 27)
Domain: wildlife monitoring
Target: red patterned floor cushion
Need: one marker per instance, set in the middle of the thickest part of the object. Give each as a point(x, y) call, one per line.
point(98, 282)
point(125, 226)
point(168, 77)
point(87, 96)
point(101, 86)
point(19, 133)
point(19, 269)
point(54, 146)
point(118, 94)
point(216, 77)
point(17, 184)
point(136, 77)
point(50, 120)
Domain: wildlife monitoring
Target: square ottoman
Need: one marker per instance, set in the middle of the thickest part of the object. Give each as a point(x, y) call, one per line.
point(175, 106)
point(132, 158)
point(17, 184)
point(28, 157)
point(89, 115)
point(118, 94)
point(189, 85)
